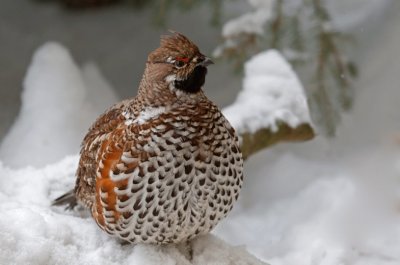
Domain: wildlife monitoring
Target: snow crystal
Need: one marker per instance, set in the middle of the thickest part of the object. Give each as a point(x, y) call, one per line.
point(271, 93)
point(59, 103)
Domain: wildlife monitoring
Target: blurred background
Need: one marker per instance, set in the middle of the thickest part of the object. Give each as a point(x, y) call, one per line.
point(345, 53)
point(118, 35)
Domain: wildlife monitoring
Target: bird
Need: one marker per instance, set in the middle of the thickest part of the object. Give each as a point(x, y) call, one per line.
point(164, 166)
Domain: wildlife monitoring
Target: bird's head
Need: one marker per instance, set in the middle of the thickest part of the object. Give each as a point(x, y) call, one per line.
point(179, 63)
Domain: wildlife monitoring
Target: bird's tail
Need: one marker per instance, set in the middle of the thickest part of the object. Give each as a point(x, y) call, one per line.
point(68, 199)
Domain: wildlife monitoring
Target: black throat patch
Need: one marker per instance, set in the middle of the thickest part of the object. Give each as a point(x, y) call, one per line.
point(194, 81)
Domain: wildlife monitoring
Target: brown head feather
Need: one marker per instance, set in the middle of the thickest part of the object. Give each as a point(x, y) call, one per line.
point(175, 45)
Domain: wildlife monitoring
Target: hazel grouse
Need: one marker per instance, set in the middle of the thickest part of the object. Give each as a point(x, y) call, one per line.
point(164, 166)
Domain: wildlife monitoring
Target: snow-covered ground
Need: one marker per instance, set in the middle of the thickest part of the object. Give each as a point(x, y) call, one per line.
point(32, 232)
point(299, 212)
point(328, 212)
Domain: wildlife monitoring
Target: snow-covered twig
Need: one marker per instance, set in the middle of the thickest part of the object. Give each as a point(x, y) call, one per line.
point(272, 106)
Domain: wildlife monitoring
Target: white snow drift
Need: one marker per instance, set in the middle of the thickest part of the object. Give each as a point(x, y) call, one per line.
point(59, 103)
point(33, 232)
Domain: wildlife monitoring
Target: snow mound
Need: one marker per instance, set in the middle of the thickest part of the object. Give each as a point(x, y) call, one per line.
point(33, 232)
point(271, 93)
point(59, 103)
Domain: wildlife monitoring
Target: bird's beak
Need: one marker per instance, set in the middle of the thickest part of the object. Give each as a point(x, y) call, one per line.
point(206, 62)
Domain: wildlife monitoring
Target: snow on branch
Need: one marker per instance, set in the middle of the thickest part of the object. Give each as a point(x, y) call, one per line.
point(250, 23)
point(272, 106)
point(240, 34)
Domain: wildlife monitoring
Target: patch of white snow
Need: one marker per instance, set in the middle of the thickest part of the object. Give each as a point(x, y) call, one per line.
point(33, 232)
point(271, 93)
point(59, 103)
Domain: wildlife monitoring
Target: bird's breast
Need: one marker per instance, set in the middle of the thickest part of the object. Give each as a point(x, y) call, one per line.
point(177, 177)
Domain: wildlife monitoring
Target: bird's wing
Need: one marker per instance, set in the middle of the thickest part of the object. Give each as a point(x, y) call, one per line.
point(99, 133)
point(130, 160)
point(120, 168)
point(109, 157)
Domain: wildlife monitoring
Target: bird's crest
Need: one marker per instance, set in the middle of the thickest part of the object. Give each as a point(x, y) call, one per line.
point(176, 45)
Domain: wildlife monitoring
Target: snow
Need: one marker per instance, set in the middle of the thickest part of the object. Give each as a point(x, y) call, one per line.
point(250, 23)
point(338, 212)
point(271, 93)
point(343, 211)
point(33, 232)
point(59, 103)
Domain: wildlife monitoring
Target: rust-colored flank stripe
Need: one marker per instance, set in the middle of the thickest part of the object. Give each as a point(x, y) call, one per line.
point(109, 155)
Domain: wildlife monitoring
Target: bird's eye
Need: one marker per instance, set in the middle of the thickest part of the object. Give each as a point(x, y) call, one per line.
point(181, 61)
